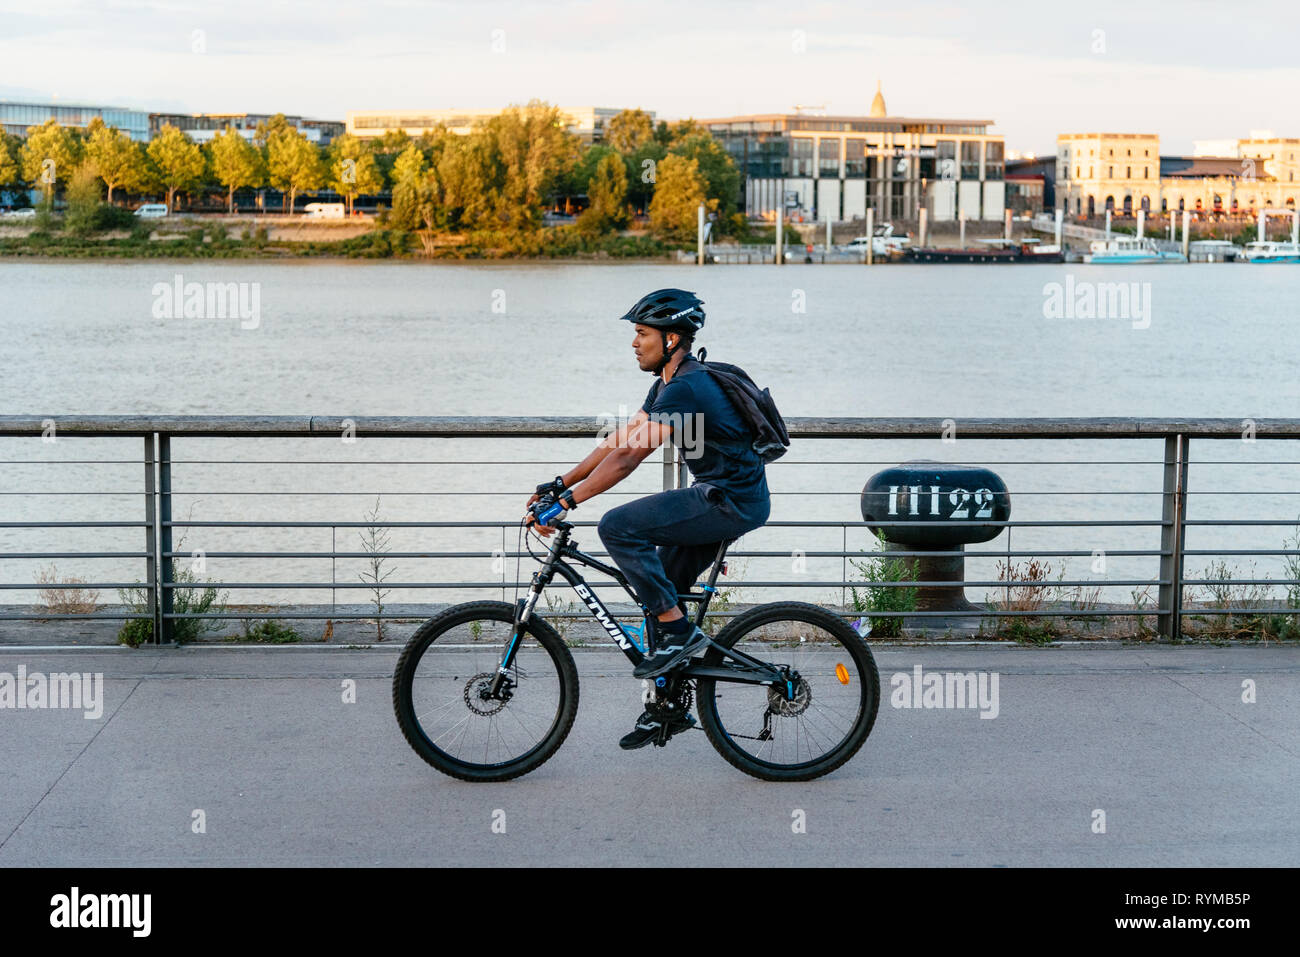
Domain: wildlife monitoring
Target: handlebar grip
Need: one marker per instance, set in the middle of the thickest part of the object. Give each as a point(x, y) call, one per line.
point(552, 511)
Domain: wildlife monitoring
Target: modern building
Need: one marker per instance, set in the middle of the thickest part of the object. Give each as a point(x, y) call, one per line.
point(1031, 184)
point(1125, 172)
point(15, 118)
point(835, 167)
point(588, 123)
point(202, 127)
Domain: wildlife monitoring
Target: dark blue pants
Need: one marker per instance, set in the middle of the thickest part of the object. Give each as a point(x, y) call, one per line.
point(664, 541)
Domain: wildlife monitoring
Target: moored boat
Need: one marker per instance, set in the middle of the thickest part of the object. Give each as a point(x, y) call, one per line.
point(1269, 252)
point(1129, 250)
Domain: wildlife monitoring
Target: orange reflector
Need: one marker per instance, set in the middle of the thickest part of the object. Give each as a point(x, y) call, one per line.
point(842, 673)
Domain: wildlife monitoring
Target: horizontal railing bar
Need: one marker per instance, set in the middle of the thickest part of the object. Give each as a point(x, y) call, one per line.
point(916, 553)
point(75, 554)
point(1095, 613)
point(996, 583)
point(1240, 521)
point(1241, 581)
point(75, 524)
point(520, 493)
point(475, 462)
point(826, 427)
point(1240, 611)
point(843, 523)
point(65, 586)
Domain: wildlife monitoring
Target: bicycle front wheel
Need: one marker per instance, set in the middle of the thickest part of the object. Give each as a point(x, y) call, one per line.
point(764, 732)
point(441, 686)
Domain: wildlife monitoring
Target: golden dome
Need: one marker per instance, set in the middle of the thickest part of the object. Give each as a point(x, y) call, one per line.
point(878, 103)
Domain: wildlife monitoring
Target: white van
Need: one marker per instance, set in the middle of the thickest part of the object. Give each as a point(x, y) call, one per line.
point(324, 210)
point(152, 211)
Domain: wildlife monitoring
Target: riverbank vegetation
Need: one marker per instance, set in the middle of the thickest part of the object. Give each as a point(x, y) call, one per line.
point(518, 184)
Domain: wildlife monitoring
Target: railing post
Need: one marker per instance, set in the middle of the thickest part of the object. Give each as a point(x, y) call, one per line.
point(151, 535)
point(683, 473)
point(166, 596)
point(1173, 513)
point(670, 467)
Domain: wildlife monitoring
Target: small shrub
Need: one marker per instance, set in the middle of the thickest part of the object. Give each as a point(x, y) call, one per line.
point(63, 596)
point(116, 217)
point(878, 595)
point(269, 631)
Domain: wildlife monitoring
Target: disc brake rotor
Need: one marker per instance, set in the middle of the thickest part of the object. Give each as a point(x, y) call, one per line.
point(476, 689)
point(784, 707)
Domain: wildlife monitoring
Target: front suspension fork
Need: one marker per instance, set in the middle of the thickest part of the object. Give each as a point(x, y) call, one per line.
point(523, 611)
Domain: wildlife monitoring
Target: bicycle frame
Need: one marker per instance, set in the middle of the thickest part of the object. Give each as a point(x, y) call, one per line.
point(745, 669)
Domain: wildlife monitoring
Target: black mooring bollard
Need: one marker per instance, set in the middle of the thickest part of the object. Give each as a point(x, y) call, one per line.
point(944, 507)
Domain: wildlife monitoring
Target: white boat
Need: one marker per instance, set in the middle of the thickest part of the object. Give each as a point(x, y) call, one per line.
point(1270, 253)
point(883, 242)
point(1130, 249)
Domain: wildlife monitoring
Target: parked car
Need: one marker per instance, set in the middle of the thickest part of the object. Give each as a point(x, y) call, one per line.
point(152, 211)
point(24, 213)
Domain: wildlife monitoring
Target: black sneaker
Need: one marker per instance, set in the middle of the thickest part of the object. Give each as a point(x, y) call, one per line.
point(648, 727)
point(670, 650)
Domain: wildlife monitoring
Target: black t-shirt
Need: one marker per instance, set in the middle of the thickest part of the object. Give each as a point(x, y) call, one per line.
point(715, 439)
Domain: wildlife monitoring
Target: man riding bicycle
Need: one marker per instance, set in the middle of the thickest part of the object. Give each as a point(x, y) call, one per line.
point(662, 542)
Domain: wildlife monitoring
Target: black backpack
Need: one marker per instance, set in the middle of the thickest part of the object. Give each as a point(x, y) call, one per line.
point(756, 408)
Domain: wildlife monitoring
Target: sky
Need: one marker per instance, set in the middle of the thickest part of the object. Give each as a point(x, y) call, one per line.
point(1187, 71)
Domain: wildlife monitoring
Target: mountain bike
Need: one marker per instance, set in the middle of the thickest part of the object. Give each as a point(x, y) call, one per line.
point(488, 691)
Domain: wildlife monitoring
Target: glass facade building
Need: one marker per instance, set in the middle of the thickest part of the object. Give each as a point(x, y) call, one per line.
point(15, 118)
point(836, 167)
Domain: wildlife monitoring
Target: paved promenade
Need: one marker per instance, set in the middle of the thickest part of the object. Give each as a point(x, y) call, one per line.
point(259, 745)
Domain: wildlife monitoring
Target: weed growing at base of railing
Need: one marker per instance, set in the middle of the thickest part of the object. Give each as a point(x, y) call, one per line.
point(375, 542)
point(1222, 592)
point(558, 606)
point(136, 631)
point(63, 596)
point(1141, 599)
point(877, 596)
point(270, 632)
point(1026, 589)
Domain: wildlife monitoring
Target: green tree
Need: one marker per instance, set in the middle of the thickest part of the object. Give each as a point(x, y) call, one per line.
point(722, 179)
point(177, 160)
point(678, 193)
point(409, 171)
point(49, 155)
point(293, 164)
point(607, 198)
point(10, 179)
point(268, 129)
point(236, 163)
point(84, 198)
point(353, 170)
point(119, 160)
point(629, 131)
point(530, 151)
point(642, 172)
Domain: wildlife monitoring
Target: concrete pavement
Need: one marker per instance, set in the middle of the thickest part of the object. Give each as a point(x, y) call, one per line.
point(259, 745)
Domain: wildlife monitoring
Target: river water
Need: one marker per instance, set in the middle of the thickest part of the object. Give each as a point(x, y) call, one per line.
point(351, 338)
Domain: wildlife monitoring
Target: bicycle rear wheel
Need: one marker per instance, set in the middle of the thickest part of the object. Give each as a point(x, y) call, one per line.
point(440, 690)
point(765, 734)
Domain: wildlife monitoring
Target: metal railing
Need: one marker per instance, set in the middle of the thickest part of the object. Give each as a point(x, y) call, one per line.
point(154, 509)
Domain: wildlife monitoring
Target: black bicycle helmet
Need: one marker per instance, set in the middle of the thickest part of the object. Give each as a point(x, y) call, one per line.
point(668, 310)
